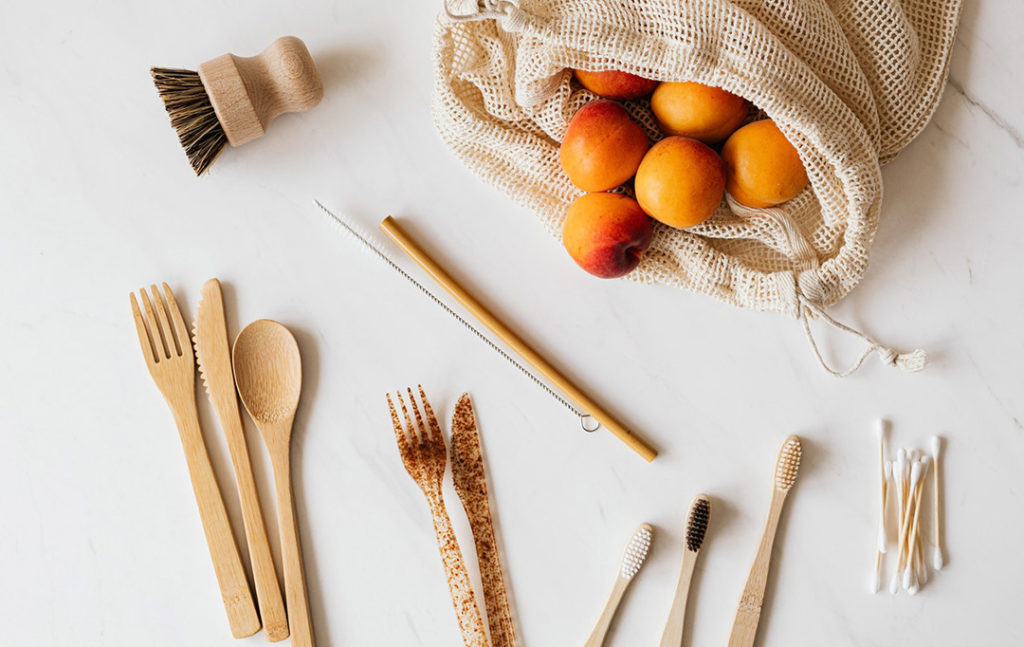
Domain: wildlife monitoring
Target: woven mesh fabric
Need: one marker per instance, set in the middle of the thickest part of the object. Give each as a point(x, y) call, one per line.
point(849, 82)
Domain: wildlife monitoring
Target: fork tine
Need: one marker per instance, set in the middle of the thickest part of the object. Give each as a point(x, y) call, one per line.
point(431, 419)
point(140, 328)
point(423, 431)
point(184, 338)
point(173, 347)
point(400, 437)
point(154, 329)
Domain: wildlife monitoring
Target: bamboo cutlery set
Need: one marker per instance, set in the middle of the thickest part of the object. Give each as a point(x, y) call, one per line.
point(264, 368)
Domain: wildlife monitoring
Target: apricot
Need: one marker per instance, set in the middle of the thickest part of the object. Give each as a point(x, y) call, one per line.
point(762, 168)
point(680, 182)
point(602, 147)
point(700, 111)
point(606, 233)
point(612, 84)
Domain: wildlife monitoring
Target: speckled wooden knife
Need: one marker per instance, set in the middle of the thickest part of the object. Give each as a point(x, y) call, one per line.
point(471, 486)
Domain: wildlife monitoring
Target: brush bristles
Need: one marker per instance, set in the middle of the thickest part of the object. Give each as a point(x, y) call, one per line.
point(192, 115)
point(697, 523)
point(636, 551)
point(788, 464)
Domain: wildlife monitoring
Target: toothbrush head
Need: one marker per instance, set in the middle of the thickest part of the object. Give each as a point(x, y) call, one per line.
point(697, 522)
point(788, 464)
point(636, 551)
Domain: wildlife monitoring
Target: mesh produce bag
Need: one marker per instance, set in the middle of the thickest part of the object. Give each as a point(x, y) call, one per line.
point(849, 82)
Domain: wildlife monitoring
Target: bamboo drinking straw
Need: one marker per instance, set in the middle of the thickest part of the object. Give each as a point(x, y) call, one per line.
point(436, 272)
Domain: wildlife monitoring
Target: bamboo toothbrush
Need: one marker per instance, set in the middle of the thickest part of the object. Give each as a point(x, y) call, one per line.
point(231, 99)
point(938, 560)
point(696, 526)
point(632, 560)
point(744, 628)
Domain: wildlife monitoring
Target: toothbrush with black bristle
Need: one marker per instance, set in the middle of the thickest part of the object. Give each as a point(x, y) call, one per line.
point(696, 527)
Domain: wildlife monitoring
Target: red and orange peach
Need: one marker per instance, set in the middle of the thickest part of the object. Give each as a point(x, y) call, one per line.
point(606, 233)
point(602, 147)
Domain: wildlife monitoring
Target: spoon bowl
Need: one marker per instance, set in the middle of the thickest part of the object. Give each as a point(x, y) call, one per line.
point(268, 372)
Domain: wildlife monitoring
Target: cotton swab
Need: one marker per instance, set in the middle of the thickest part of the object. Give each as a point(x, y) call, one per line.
point(938, 561)
point(880, 429)
point(910, 579)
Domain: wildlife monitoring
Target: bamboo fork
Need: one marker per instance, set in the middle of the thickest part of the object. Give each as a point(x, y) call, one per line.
point(167, 349)
point(512, 340)
point(471, 486)
point(425, 457)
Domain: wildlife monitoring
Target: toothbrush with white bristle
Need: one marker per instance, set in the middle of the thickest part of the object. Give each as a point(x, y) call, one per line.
point(938, 560)
point(632, 560)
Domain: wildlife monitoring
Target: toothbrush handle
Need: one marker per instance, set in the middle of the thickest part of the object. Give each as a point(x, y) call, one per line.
point(605, 621)
point(673, 635)
point(748, 615)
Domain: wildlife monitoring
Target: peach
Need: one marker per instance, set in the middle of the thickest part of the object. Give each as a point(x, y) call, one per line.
point(612, 84)
point(680, 182)
point(699, 111)
point(762, 168)
point(602, 147)
point(606, 233)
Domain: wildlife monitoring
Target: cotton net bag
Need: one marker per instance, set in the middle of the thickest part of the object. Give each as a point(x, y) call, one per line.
point(849, 82)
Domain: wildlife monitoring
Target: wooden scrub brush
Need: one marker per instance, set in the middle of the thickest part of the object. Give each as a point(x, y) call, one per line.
point(231, 99)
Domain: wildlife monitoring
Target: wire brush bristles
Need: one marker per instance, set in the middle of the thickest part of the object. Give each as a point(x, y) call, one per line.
point(192, 115)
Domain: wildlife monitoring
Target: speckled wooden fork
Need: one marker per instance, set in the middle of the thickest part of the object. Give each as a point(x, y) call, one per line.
point(425, 457)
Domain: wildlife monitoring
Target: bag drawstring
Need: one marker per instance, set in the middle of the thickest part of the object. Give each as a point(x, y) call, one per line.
point(910, 362)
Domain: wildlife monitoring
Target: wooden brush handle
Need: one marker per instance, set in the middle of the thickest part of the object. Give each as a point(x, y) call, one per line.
point(247, 93)
point(227, 563)
point(748, 615)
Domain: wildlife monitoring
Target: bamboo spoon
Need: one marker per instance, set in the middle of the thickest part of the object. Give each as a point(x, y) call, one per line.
point(268, 372)
point(748, 615)
point(512, 340)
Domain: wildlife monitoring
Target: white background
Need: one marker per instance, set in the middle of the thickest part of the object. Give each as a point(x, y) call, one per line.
point(100, 543)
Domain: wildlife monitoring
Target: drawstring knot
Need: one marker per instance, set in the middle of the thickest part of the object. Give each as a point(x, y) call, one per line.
point(909, 362)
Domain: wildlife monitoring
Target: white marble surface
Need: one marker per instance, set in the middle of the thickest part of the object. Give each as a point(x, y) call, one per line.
point(100, 543)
